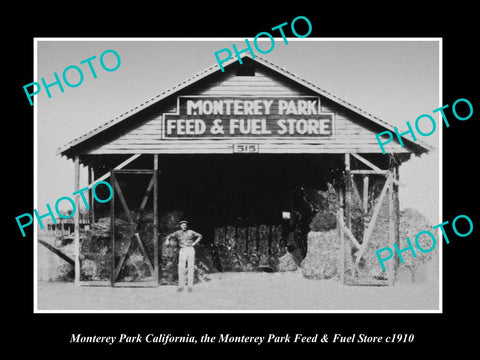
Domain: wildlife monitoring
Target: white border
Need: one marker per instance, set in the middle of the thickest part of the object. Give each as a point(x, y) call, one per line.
point(35, 231)
point(440, 178)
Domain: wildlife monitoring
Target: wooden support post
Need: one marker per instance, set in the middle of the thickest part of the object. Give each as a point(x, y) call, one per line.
point(91, 203)
point(391, 233)
point(348, 191)
point(365, 194)
point(397, 214)
point(365, 201)
point(76, 219)
point(112, 229)
point(155, 218)
point(342, 247)
point(118, 167)
point(91, 216)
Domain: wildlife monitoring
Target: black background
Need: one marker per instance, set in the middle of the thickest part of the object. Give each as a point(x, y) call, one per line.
point(49, 334)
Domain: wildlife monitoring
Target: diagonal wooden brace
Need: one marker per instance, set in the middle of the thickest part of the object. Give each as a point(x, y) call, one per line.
point(371, 225)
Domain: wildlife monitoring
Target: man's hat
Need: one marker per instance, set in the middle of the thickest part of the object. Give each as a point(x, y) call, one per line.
point(183, 222)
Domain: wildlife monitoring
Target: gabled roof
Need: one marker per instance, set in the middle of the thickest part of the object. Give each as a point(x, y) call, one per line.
point(417, 147)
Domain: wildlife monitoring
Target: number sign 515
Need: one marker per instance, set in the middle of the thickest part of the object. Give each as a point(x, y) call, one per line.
point(245, 148)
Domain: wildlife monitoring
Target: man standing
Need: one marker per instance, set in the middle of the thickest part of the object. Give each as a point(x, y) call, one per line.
point(186, 239)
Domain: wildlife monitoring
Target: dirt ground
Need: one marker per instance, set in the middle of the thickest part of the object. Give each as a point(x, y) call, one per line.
point(243, 291)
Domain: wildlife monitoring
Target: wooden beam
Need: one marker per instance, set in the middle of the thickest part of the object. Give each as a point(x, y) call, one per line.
point(90, 196)
point(398, 183)
point(112, 229)
point(365, 194)
point(348, 190)
point(376, 210)
point(365, 201)
point(118, 167)
point(342, 246)
point(145, 255)
point(76, 219)
point(146, 196)
point(95, 283)
point(124, 203)
point(366, 162)
point(134, 171)
point(137, 284)
point(349, 233)
point(155, 218)
point(397, 215)
point(122, 259)
point(391, 233)
point(57, 252)
point(354, 189)
point(367, 172)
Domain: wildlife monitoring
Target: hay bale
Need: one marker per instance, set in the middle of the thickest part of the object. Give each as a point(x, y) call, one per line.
point(204, 255)
point(241, 240)
point(253, 258)
point(89, 268)
point(323, 221)
point(241, 256)
point(322, 257)
point(263, 247)
point(287, 263)
point(248, 249)
point(411, 223)
point(169, 262)
point(328, 204)
point(96, 249)
point(66, 273)
point(95, 246)
point(277, 246)
point(221, 250)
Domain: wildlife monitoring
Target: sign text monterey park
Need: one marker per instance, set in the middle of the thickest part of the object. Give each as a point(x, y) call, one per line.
point(244, 116)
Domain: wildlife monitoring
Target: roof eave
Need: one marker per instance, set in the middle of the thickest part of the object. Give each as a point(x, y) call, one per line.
point(416, 147)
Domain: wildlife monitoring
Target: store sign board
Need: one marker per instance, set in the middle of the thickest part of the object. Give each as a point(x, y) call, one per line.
point(206, 117)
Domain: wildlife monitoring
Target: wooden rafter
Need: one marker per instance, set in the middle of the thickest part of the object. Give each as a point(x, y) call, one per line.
point(347, 231)
point(366, 162)
point(118, 167)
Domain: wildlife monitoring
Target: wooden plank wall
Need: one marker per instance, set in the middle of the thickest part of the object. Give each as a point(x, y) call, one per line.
point(349, 136)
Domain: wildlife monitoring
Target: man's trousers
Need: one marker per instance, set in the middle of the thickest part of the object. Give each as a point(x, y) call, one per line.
point(186, 261)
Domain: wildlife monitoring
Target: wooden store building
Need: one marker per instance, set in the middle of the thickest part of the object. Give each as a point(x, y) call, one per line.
point(256, 158)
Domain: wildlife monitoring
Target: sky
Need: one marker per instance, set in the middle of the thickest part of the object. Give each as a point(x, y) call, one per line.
point(394, 80)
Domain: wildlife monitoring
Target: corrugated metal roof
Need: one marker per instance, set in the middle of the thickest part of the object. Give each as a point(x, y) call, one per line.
point(214, 68)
